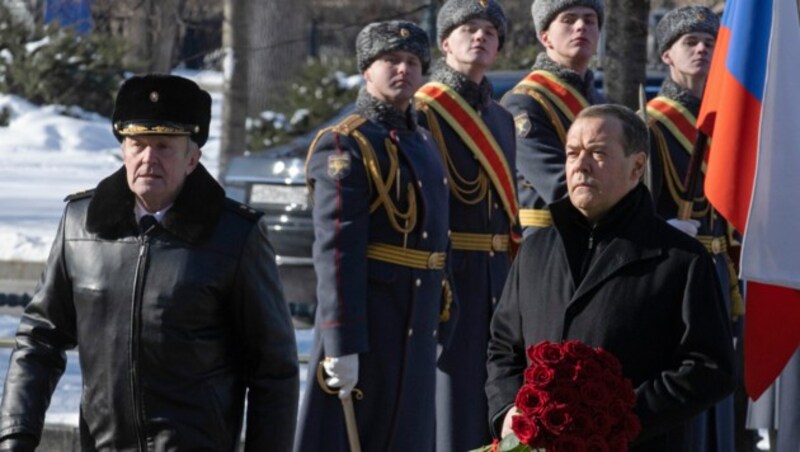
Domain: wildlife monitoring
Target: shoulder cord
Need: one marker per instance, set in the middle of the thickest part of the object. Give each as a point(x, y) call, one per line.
point(469, 192)
point(384, 186)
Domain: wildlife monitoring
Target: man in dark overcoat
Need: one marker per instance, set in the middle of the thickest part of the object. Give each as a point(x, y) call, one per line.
point(171, 292)
point(545, 102)
point(380, 213)
point(613, 274)
point(686, 38)
point(476, 138)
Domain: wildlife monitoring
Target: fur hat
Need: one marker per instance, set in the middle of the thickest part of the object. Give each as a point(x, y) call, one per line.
point(544, 11)
point(162, 105)
point(688, 19)
point(381, 37)
point(457, 12)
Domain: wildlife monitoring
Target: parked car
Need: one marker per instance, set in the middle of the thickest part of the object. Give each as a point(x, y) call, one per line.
point(273, 181)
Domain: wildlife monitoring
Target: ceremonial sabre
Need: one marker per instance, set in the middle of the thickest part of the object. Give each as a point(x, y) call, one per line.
point(347, 408)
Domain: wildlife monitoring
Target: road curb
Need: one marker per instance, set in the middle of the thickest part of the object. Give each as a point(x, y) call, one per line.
point(17, 270)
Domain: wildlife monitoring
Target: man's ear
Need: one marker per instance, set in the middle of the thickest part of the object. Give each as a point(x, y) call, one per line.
point(665, 58)
point(544, 38)
point(639, 165)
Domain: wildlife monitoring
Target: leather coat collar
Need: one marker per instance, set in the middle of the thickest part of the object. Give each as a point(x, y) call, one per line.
point(192, 217)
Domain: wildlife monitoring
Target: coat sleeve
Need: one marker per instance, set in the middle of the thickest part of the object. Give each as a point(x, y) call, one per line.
point(46, 330)
point(703, 369)
point(270, 350)
point(540, 153)
point(506, 359)
point(341, 233)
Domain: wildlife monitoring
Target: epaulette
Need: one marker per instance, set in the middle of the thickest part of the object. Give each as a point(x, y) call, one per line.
point(349, 124)
point(79, 195)
point(244, 210)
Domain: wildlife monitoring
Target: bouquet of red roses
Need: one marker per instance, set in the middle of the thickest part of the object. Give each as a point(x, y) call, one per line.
point(574, 398)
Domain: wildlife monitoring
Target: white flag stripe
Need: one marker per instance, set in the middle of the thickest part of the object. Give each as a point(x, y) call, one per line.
point(771, 248)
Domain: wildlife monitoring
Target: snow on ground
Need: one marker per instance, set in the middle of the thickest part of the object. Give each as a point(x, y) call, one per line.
point(45, 155)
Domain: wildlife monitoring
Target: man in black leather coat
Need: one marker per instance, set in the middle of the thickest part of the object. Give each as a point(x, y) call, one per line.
point(172, 294)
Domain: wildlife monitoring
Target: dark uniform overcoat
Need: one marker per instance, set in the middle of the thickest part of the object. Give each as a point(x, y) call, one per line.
point(633, 285)
point(387, 313)
point(478, 276)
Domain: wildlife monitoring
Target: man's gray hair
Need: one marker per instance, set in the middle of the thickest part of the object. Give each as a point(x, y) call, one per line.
point(634, 130)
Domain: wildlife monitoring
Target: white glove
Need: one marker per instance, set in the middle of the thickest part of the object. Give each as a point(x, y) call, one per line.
point(688, 227)
point(343, 372)
point(507, 421)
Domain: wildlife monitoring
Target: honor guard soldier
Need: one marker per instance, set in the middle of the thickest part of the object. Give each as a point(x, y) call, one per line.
point(685, 39)
point(171, 292)
point(475, 136)
point(380, 210)
point(547, 100)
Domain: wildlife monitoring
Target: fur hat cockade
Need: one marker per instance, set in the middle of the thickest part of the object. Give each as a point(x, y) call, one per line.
point(382, 37)
point(162, 105)
point(544, 11)
point(688, 19)
point(458, 12)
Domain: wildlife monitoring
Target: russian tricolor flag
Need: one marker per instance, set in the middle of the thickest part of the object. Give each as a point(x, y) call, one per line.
point(751, 108)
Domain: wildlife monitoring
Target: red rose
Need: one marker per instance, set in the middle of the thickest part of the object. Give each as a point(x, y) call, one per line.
point(568, 444)
point(545, 353)
point(609, 361)
point(602, 424)
point(495, 445)
point(555, 418)
point(594, 393)
point(596, 443)
point(588, 369)
point(582, 423)
point(524, 428)
point(531, 400)
point(539, 376)
point(566, 395)
point(577, 350)
point(618, 410)
point(632, 426)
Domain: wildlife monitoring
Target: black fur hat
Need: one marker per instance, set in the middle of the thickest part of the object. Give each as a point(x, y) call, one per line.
point(162, 105)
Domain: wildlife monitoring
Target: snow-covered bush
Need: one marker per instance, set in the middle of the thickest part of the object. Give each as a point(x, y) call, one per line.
point(55, 65)
point(317, 92)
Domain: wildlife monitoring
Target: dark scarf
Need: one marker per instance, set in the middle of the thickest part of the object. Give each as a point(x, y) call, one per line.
point(678, 93)
point(380, 112)
point(584, 85)
point(192, 217)
point(478, 96)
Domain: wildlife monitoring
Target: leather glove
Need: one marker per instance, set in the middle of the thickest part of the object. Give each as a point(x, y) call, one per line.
point(688, 227)
point(343, 372)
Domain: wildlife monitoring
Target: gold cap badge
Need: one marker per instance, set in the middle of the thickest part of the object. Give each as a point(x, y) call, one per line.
point(484, 3)
point(404, 32)
point(701, 17)
point(154, 96)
